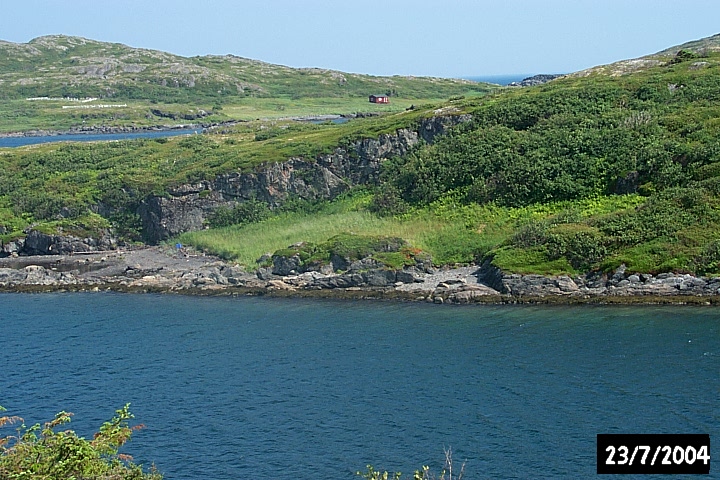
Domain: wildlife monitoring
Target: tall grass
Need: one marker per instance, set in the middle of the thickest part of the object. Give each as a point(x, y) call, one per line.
point(450, 232)
point(245, 244)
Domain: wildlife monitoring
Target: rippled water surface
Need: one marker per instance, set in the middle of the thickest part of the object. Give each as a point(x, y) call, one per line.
point(289, 389)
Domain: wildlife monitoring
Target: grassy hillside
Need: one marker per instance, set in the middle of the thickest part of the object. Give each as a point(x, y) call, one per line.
point(583, 173)
point(147, 87)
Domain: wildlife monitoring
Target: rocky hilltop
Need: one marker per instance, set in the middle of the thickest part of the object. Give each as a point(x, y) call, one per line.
point(535, 80)
point(66, 66)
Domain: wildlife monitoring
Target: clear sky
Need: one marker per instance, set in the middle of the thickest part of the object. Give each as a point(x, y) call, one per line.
point(447, 38)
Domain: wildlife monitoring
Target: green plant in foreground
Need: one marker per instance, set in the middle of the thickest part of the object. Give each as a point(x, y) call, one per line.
point(423, 474)
point(47, 454)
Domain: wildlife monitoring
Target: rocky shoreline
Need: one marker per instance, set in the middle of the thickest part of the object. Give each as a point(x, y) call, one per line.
point(165, 270)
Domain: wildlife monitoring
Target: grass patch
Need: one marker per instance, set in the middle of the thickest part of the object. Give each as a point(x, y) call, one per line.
point(245, 244)
point(530, 261)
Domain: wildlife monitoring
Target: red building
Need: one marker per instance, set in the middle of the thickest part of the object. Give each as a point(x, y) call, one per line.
point(379, 99)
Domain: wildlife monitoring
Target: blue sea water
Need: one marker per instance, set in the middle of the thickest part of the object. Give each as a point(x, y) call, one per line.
point(87, 137)
point(285, 388)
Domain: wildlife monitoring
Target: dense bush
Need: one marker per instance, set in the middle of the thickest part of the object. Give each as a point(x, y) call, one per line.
point(580, 244)
point(388, 202)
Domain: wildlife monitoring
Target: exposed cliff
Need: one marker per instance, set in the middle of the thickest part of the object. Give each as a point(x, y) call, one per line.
point(325, 177)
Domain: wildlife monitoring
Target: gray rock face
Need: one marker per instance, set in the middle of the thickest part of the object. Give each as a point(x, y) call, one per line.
point(434, 126)
point(324, 177)
point(164, 217)
point(35, 275)
point(38, 243)
point(628, 184)
point(286, 265)
point(380, 278)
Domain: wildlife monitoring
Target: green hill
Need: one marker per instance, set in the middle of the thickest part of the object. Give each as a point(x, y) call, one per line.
point(147, 87)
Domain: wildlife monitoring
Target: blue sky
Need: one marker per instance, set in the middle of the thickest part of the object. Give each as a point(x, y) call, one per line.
point(448, 38)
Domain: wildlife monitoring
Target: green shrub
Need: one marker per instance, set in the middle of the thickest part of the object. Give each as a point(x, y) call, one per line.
point(251, 211)
point(388, 202)
point(581, 245)
point(708, 262)
point(44, 453)
point(449, 472)
point(531, 234)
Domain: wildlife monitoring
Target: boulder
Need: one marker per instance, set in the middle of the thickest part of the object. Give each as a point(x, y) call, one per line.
point(566, 284)
point(12, 248)
point(408, 276)
point(380, 277)
point(471, 292)
point(283, 265)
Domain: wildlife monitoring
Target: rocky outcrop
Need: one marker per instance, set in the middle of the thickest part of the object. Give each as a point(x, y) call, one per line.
point(12, 248)
point(190, 115)
point(628, 184)
point(35, 275)
point(325, 177)
point(535, 80)
point(185, 210)
point(38, 243)
point(341, 271)
point(618, 284)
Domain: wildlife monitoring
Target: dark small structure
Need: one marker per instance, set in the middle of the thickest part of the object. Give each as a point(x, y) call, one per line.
point(379, 99)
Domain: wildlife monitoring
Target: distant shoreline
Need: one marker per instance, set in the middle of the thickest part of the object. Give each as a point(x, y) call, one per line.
point(129, 130)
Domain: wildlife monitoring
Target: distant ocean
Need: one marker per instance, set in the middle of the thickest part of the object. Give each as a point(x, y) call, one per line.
point(500, 79)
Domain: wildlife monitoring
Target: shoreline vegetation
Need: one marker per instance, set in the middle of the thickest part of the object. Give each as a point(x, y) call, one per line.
point(47, 452)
